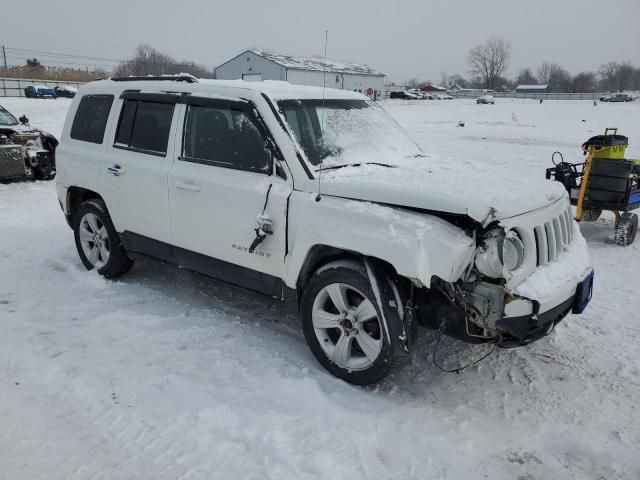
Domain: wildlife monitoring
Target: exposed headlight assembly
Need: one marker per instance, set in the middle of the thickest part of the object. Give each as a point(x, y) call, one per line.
point(500, 253)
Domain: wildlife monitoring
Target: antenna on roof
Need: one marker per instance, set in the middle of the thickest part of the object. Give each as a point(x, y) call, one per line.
point(324, 87)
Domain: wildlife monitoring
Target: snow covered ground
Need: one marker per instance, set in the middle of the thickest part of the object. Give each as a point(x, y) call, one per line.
point(168, 374)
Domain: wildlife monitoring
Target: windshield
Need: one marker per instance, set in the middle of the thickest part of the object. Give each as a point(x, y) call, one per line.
point(334, 133)
point(6, 118)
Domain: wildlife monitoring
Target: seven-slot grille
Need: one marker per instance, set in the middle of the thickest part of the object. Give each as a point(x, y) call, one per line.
point(552, 236)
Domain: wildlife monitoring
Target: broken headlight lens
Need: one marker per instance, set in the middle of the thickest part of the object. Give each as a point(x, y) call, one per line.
point(500, 253)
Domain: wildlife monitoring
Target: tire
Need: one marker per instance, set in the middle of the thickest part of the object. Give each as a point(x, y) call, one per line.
point(46, 173)
point(591, 215)
point(98, 244)
point(339, 337)
point(627, 229)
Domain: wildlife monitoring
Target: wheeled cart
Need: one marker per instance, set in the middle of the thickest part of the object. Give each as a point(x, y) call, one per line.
point(604, 181)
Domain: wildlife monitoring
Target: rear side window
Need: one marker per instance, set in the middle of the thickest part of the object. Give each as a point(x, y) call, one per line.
point(225, 137)
point(91, 118)
point(145, 126)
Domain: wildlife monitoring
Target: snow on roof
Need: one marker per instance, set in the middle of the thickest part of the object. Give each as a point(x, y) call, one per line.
point(280, 90)
point(316, 64)
point(533, 87)
point(275, 89)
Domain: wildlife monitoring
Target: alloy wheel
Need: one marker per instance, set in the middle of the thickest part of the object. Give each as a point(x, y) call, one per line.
point(347, 326)
point(94, 240)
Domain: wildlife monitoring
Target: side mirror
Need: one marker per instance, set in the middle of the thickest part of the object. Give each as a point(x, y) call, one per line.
point(24, 120)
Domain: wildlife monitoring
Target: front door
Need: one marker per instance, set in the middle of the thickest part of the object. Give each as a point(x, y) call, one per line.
point(221, 189)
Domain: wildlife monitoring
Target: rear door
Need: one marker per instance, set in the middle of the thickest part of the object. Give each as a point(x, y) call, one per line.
point(221, 188)
point(133, 178)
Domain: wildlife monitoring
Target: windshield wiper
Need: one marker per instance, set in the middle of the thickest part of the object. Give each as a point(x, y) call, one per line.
point(335, 167)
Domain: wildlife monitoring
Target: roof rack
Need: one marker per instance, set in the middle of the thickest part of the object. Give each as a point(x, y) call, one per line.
point(171, 78)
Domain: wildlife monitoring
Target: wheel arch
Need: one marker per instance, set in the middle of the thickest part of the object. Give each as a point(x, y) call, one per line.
point(320, 255)
point(76, 196)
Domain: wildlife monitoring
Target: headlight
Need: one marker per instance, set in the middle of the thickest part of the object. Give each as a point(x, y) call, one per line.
point(500, 253)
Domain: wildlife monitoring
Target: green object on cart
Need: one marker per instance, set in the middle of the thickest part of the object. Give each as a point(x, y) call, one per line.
point(609, 145)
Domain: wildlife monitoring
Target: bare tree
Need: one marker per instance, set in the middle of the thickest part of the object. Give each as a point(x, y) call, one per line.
point(552, 74)
point(584, 82)
point(490, 60)
point(149, 61)
point(624, 76)
point(458, 80)
point(525, 77)
point(608, 76)
point(444, 79)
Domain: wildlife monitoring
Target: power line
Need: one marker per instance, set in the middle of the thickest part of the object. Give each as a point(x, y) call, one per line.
point(66, 55)
point(63, 64)
point(95, 65)
point(110, 45)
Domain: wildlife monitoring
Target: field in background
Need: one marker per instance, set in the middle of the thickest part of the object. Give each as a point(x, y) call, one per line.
point(167, 374)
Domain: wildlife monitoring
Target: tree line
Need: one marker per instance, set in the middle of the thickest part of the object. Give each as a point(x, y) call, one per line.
point(488, 64)
point(146, 60)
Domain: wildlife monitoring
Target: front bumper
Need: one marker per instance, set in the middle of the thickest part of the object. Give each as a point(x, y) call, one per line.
point(524, 329)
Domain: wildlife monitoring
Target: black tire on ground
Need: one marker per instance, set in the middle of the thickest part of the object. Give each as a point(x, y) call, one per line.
point(118, 262)
point(43, 173)
point(627, 229)
point(392, 355)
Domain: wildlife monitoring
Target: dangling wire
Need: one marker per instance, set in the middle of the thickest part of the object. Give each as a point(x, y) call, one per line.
point(458, 370)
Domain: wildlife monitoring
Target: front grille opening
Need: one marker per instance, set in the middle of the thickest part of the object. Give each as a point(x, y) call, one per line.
point(541, 250)
point(551, 241)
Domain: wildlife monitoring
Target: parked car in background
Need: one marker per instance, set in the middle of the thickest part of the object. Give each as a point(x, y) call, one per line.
point(420, 95)
point(39, 91)
point(404, 95)
point(486, 99)
point(65, 91)
point(617, 97)
point(25, 152)
point(222, 178)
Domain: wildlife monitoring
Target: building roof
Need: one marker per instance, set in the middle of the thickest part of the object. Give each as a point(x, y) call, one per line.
point(316, 64)
point(532, 87)
point(433, 88)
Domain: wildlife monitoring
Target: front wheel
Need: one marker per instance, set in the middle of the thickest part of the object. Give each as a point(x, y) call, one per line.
point(97, 241)
point(345, 328)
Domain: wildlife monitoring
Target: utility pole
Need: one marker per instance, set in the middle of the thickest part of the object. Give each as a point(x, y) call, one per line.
point(4, 57)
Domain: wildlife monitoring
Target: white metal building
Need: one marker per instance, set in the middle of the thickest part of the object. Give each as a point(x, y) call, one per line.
point(253, 65)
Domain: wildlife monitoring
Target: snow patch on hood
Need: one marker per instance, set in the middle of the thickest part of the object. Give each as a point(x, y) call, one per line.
point(432, 184)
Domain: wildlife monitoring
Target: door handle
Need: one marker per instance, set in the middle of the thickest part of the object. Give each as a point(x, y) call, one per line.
point(189, 186)
point(116, 170)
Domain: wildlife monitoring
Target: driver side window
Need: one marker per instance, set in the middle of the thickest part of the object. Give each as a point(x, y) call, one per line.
point(225, 137)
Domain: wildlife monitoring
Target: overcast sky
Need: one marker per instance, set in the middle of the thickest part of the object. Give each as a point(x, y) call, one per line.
point(417, 38)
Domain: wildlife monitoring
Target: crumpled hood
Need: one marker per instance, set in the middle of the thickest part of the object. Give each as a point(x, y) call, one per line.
point(426, 184)
point(19, 128)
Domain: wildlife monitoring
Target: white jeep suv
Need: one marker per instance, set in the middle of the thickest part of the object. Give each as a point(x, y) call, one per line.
point(320, 198)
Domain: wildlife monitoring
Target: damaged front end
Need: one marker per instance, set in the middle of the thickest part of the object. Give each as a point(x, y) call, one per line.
point(482, 305)
point(27, 153)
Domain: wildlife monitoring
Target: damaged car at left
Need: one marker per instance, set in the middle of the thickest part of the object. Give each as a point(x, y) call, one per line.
point(25, 152)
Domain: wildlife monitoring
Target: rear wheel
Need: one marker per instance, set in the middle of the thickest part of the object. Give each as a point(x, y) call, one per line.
point(627, 229)
point(345, 328)
point(97, 241)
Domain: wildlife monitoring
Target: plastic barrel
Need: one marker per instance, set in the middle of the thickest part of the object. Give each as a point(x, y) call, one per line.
point(608, 146)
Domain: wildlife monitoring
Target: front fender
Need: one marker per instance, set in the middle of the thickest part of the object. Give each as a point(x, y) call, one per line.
point(418, 245)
